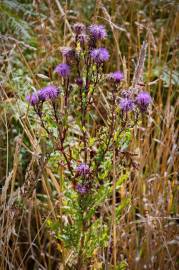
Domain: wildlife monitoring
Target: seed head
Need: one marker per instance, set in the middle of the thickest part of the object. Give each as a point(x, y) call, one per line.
point(78, 28)
point(68, 52)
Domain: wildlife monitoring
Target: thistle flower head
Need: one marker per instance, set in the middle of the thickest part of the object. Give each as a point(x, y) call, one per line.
point(83, 169)
point(99, 55)
point(68, 52)
point(116, 76)
point(82, 189)
point(98, 32)
point(48, 92)
point(33, 99)
point(143, 99)
point(63, 70)
point(126, 104)
point(78, 28)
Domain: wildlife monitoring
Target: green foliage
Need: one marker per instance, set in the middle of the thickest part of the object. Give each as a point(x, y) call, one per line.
point(122, 266)
point(12, 21)
point(80, 210)
point(123, 139)
point(97, 237)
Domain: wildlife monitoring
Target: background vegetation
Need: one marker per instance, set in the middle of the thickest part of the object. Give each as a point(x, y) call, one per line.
point(32, 33)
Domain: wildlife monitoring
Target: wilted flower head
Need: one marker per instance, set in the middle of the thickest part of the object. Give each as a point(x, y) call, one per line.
point(63, 70)
point(126, 104)
point(82, 189)
point(78, 28)
point(83, 169)
point(68, 51)
point(98, 32)
point(33, 99)
point(116, 76)
point(83, 38)
point(125, 93)
point(143, 99)
point(48, 92)
point(100, 55)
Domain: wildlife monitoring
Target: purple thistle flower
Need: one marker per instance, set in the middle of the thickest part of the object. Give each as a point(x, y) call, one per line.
point(33, 99)
point(83, 169)
point(98, 32)
point(99, 55)
point(126, 104)
point(48, 92)
point(68, 52)
point(78, 28)
point(116, 76)
point(81, 189)
point(143, 99)
point(63, 70)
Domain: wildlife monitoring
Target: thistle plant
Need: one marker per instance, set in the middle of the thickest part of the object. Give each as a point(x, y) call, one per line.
point(91, 149)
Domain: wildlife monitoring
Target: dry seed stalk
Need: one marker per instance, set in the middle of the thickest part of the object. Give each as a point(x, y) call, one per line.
point(139, 70)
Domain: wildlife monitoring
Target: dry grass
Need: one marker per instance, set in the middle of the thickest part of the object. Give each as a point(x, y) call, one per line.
point(146, 235)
